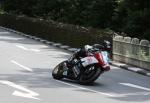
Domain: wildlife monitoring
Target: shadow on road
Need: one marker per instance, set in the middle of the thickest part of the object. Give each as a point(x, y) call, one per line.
point(41, 78)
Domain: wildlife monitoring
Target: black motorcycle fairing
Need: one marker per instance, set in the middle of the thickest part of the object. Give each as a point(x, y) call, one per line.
point(90, 74)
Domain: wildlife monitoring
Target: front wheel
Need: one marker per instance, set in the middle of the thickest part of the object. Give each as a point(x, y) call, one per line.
point(57, 72)
point(90, 74)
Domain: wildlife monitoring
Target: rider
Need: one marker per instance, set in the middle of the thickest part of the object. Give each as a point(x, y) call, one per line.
point(82, 52)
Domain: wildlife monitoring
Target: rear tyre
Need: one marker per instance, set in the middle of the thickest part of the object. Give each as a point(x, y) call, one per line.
point(90, 75)
point(57, 72)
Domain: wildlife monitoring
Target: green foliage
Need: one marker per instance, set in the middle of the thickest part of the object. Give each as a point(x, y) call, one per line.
point(96, 13)
point(75, 36)
point(129, 16)
point(19, 6)
point(133, 18)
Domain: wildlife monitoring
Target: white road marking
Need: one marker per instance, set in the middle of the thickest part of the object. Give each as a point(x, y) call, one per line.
point(135, 86)
point(35, 50)
point(26, 49)
point(106, 94)
point(134, 94)
point(24, 67)
point(26, 92)
point(4, 32)
point(22, 47)
point(10, 38)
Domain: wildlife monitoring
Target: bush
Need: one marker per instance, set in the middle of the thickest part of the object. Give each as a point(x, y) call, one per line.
point(75, 36)
point(96, 13)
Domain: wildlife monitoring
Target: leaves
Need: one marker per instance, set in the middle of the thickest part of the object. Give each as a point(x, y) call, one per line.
point(133, 18)
point(129, 16)
point(96, 13)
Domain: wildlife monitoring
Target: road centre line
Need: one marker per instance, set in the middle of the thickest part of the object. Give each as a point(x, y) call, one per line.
point(35, 50)
point(79, 87)
point(135, 86)
point(24, 67)
point(133, 94)
point(26, 49)
point(4, 32)
point(22, 47)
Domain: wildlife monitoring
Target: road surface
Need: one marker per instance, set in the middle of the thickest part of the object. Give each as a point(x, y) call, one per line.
point(25, 77)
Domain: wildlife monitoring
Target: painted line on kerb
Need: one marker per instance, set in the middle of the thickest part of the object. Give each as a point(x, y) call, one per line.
point(4, 32)
point(24, 67)
point(135, 86)
point(79, 87)
point(148, 74)
point(135, 69)
point(26, 93)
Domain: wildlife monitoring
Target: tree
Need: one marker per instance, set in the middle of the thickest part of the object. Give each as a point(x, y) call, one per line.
point(96, 13)
point(19, 6)
point(133, 18)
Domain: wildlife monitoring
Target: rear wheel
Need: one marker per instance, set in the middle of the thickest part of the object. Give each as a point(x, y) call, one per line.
point(57, 72)
point(90, 74)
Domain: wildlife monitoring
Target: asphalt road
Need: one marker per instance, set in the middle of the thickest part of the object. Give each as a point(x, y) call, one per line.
point(25, 77)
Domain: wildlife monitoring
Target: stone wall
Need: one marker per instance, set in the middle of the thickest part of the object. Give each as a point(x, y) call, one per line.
point(132, 51)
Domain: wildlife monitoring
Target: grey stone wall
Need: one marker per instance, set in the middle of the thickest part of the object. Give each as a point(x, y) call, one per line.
point(132, 51)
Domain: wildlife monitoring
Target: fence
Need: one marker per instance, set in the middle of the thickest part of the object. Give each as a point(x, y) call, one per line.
point(132, 51)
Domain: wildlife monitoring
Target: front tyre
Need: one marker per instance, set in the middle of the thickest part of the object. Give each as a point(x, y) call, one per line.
point(57, 72)
point(90, 74)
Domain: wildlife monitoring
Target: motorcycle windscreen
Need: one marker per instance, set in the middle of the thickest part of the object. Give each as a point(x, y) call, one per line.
point(88, 61)
point(105, 57)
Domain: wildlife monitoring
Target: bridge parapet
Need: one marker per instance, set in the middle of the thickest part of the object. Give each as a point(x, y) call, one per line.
point(132, 51)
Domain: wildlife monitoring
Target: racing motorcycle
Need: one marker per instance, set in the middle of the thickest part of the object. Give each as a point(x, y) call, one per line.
point(85, 70)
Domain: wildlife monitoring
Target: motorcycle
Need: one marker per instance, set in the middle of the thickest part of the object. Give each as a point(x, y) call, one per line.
point(85, 70)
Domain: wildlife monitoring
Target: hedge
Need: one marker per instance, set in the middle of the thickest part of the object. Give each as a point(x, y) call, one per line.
point(72, 35)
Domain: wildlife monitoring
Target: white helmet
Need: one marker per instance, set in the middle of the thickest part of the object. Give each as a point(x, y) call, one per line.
point(87, 47)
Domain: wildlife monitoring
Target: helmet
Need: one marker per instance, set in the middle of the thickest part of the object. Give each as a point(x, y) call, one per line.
point(88, 47)
point(97, 46)
point(106, 44)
